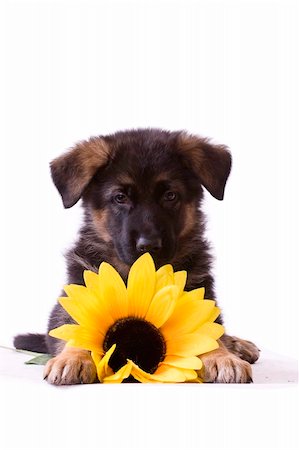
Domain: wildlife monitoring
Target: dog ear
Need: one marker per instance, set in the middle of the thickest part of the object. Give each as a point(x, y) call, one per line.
point(211, 163)
point(72, 172)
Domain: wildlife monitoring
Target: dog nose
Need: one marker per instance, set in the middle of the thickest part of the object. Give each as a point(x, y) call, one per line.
point(151, 245)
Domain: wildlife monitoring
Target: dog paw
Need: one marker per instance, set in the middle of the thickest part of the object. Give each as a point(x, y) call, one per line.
point(71, 366)
point(225, 369)
point(245, 350)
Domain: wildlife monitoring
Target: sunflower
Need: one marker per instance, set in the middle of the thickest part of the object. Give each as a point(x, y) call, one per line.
point(150, 331)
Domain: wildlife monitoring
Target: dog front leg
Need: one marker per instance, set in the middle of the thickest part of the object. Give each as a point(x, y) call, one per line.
point(71, 366)
point(222, 366)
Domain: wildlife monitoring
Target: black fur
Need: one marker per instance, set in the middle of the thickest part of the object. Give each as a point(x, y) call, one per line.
point(33, 342)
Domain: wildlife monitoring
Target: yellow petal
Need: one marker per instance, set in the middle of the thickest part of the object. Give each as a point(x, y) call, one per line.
point(215, 313)
point(188, 315)
point(140, 375)
point(80, 293)
point(190, 345)
point(189, 374)
point(141, 285)
point(183, 320)
point(214, 330)
point(79, 337)
point(64, 332)
point(96, 357)
point(97, 306)
point(207, 307)
point(180, 279)
point(164, 374)
point(113, 289)
point(164, 277)
point(168, 374)
point(82, 313)
point(91, 280)
point(162, 305)
point(192, 362)
point(163, 270)
point(120, 375)
point(103, 368)
point(195, 294)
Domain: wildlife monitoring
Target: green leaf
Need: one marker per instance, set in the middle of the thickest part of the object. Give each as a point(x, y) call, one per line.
point(41, 359)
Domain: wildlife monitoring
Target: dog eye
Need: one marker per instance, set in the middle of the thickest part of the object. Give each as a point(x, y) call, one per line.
point(170, 196)
point(120, 198)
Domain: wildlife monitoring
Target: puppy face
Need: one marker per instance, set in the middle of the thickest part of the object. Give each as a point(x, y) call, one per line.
point(141, 189)
point(140, 204)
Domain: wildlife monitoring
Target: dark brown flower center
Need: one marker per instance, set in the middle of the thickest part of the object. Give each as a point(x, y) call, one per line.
point(135, 339)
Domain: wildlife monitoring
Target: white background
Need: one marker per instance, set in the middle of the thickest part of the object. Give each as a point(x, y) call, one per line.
point(227, 70)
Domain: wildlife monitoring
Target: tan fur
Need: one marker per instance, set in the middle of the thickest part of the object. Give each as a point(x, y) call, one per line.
point(211, 162)
point(71, 366)
point(189, 218)
point(163, 176)
point(191, 145)
point(91, 154)
point(78, 166)
point(120, 266)
point(99, 218)
point(222, 366)
point(124, 179)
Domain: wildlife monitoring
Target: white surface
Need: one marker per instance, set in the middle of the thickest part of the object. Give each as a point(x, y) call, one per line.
point(228, 70)
point(224, 69)
point(262, 415)
point(269, 369)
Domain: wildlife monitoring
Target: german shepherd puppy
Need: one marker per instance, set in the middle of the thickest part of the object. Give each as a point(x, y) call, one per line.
point(141, 191)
